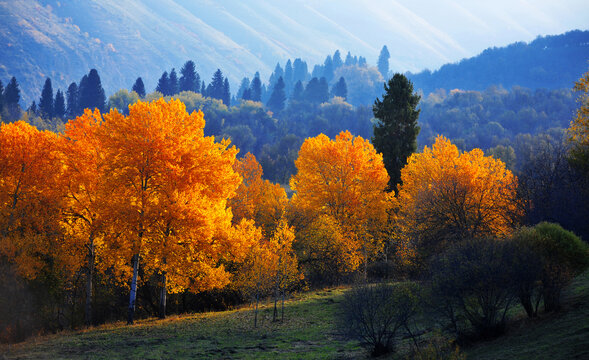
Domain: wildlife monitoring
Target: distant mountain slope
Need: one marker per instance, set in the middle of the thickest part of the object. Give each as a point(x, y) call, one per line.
point(125, 39)
point(548, 62)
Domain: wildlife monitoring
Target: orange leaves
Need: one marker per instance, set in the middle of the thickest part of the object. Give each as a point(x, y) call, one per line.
point(448, 196)
point(257, 199)
point(344, 178)
point(29, 201)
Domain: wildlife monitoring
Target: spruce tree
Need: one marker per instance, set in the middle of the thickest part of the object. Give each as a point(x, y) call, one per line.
point(139, 87)
point(173, 83)
point(337, 60)
point(163, 84)
point(278, 73)
point(349, 60)
point(46, 100)
point(288, 73)
point(226, 93)
point(243, 86)
point(256, 88)
point(298, 92)
point(328, 68)
point(189, 78)
point(1, 97)
point(395, 133)
point(11, 99)
point(59, 105)
point(383, 62)
point(203, 89)
point(72, 101)
point(217, 86)
point(300, 70)
point(340, 88)
point(91, 93)
point(33, 110)
point(278, 97)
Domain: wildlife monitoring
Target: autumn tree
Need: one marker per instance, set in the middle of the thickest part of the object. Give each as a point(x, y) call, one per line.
point(447, 196)
point(395, 133)
point(579, 128)
point(84, 184)
point(29, 199)
point(345, 179)
point(257, 199)
point(170, 185)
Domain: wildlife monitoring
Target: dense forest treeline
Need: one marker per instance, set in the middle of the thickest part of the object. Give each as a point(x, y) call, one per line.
point(552, 61)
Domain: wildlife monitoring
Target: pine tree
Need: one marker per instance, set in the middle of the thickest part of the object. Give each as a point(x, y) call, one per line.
point(337, 60)
point(288, 74)
point(340, 88)
point(189, 78)
point(203, 89)
point(362, 61)
point(278, 73)
point(91, 93)
point(217, 86)
point(33, 110)
point(243, 86)
point(256, 88)
point(349, 60)
point(163, 84)
point(72, 101)
point(300, 70)
point(328, 68)
point(59, 105)
point(1, 97)
point(278, 97)
point(11, 100)
point(383, 62)
point(173, 82)
point(46, 100)
point(395, 134)
point(226, 93)
point(298, 92)
point(139, 87)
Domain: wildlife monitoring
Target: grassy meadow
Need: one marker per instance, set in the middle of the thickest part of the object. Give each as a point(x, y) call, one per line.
point(308, 332)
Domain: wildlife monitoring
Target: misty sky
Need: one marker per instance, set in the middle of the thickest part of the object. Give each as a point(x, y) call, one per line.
point(449, 30)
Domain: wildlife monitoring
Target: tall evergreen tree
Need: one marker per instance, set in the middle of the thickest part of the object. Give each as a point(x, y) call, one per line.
point(349, 60)
point(288, 74)
point(300, 70)
point(298, 92)
point(278, 97)
point(383, 62)
point(243, 86)
point(256, 88)
point(189, 78)
point(59, 105)
point(91, 93)
point(217, 85)
point(203, 89)
point(139, 87)
point(72, 101)
point(340, 88)
point(173, 82)
point(317, 91)
point(337, 60)
point(278, 73)
point(226, 93)
point(11, 99)
point(362, 61)
point(1, 97)
point(46, 100)
point(395, 133)
point(163, 84)
point(328, 68)
point(33, 110)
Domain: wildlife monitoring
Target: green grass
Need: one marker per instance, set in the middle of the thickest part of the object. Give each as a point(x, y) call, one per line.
point(308, 333)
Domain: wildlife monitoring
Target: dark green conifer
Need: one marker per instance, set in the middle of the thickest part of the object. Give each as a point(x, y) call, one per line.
point(46, 100)
point(139, 87)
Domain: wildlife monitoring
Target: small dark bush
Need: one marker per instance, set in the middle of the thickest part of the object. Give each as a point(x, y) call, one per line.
point(374, 314)
point(472, 286)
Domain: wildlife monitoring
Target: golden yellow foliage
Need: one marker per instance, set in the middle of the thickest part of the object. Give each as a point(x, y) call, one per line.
point(29, 199)
point(579, 127)
point(449, 196)
point(344, 179)
point(257, 199)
